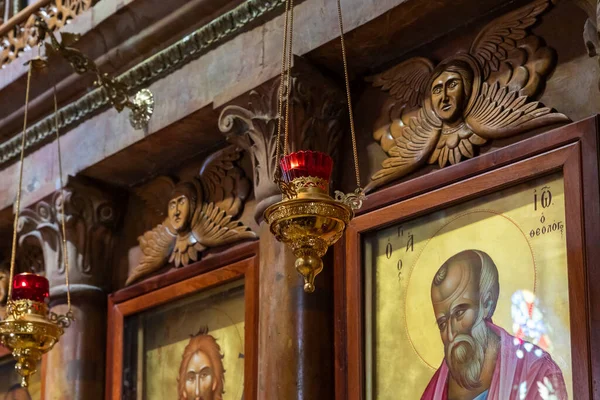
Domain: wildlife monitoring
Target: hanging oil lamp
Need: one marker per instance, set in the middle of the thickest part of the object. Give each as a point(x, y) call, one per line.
point(307, 218)
point(29, 329)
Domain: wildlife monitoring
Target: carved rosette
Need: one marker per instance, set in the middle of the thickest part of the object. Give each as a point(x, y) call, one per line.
point(90, 219)
point(317, 121)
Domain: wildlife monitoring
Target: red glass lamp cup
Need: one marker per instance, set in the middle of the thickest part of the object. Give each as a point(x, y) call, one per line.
point(305, 163)
point(30, 287)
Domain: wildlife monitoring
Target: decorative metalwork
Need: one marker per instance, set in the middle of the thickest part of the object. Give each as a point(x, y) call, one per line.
point(20, 36)
point(353, 200)
point(309, 227)
point(141, 107)
point(29, 333)
point(308, 220)
point(158, 66)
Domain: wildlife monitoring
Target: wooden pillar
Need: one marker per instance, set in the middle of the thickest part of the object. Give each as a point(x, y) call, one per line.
point(295, 354)
point(74, 368)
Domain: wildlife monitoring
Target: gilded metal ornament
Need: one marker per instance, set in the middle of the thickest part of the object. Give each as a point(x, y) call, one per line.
point(142, 105)
point(309, 225)
point(29, 331)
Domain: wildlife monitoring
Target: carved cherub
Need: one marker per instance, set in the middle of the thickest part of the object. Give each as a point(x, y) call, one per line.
point(442, 114)
point(199, 214)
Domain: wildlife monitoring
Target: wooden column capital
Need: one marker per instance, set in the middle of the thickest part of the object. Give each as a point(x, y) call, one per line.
point(91, 217)
point(318, 117)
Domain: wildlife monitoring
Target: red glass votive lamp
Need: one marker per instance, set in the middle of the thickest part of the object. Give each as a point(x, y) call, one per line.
point(306, 163)
point(32, 287)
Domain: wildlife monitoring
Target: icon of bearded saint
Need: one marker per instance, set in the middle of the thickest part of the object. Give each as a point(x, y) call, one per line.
point(199, 214)
point(442, 114)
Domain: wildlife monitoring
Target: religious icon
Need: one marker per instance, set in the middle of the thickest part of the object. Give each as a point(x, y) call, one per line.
point(201, 374)
point(472, 299)
point(481, 359)
point(200, 214)
point(174, 355)
point(441, 115)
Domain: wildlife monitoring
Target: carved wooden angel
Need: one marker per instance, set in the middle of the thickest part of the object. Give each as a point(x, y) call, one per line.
point(442, 114)
point(200, 214)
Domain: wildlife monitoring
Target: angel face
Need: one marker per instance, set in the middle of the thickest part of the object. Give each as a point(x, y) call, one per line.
point(179, 212)
point(448, 96)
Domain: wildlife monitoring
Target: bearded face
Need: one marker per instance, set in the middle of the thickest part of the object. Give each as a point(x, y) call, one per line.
point(460, 318)
point(200, 382)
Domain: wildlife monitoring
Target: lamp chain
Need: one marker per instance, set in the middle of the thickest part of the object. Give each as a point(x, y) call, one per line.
point(19, 190)
point(281, 91)
point(18, 201)
point(63, 212)
point(284, 86)
point(288, 83)
point(347, 80)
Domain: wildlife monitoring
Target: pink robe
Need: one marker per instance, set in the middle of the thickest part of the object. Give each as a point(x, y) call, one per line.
point(519, 367)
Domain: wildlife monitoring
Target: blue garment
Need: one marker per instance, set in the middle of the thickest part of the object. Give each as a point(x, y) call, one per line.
point(482, 396)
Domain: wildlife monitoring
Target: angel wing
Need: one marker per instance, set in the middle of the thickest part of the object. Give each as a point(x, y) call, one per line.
point(212, 227)
point(156, 246)
point(223, 182)
point(407, 81)
point(499, 38)
point(499, 113)
point(414, 144)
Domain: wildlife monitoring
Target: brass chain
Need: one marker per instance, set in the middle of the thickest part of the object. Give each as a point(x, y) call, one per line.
point(63, 200)
point(13, 253)
point(288, 83)
point(281, 89)
point(349, 98)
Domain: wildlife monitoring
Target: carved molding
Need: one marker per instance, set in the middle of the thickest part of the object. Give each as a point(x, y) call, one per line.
point(197, 214)
point(317, 121)
point(91, 218)
point(443, 114)
point(159, 65)
point(23, 37)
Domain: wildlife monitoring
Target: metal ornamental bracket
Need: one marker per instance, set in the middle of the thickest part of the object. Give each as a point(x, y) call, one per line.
point(141, 105)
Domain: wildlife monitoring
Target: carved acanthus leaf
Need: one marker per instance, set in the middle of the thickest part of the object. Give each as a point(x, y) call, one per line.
point(471, 98)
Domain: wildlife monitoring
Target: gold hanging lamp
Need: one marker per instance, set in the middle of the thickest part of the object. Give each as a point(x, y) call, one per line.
point(29, 329)
point(307, 218)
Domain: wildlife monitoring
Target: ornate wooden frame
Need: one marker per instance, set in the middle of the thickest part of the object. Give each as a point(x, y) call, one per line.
point(237, 262)
point(572, 149)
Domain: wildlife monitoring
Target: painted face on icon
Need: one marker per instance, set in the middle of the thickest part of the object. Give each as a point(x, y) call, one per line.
point(448, 96)
point(179, 212)
point(456, 301)
point(200, 382)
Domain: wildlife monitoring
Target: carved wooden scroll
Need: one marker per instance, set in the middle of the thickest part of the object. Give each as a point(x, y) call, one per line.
point(443, 114)
point(200, 214)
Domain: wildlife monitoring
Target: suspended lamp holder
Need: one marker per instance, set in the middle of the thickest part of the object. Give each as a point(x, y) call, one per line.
point(308, 219)
point(141, 105)
point(29, 329)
